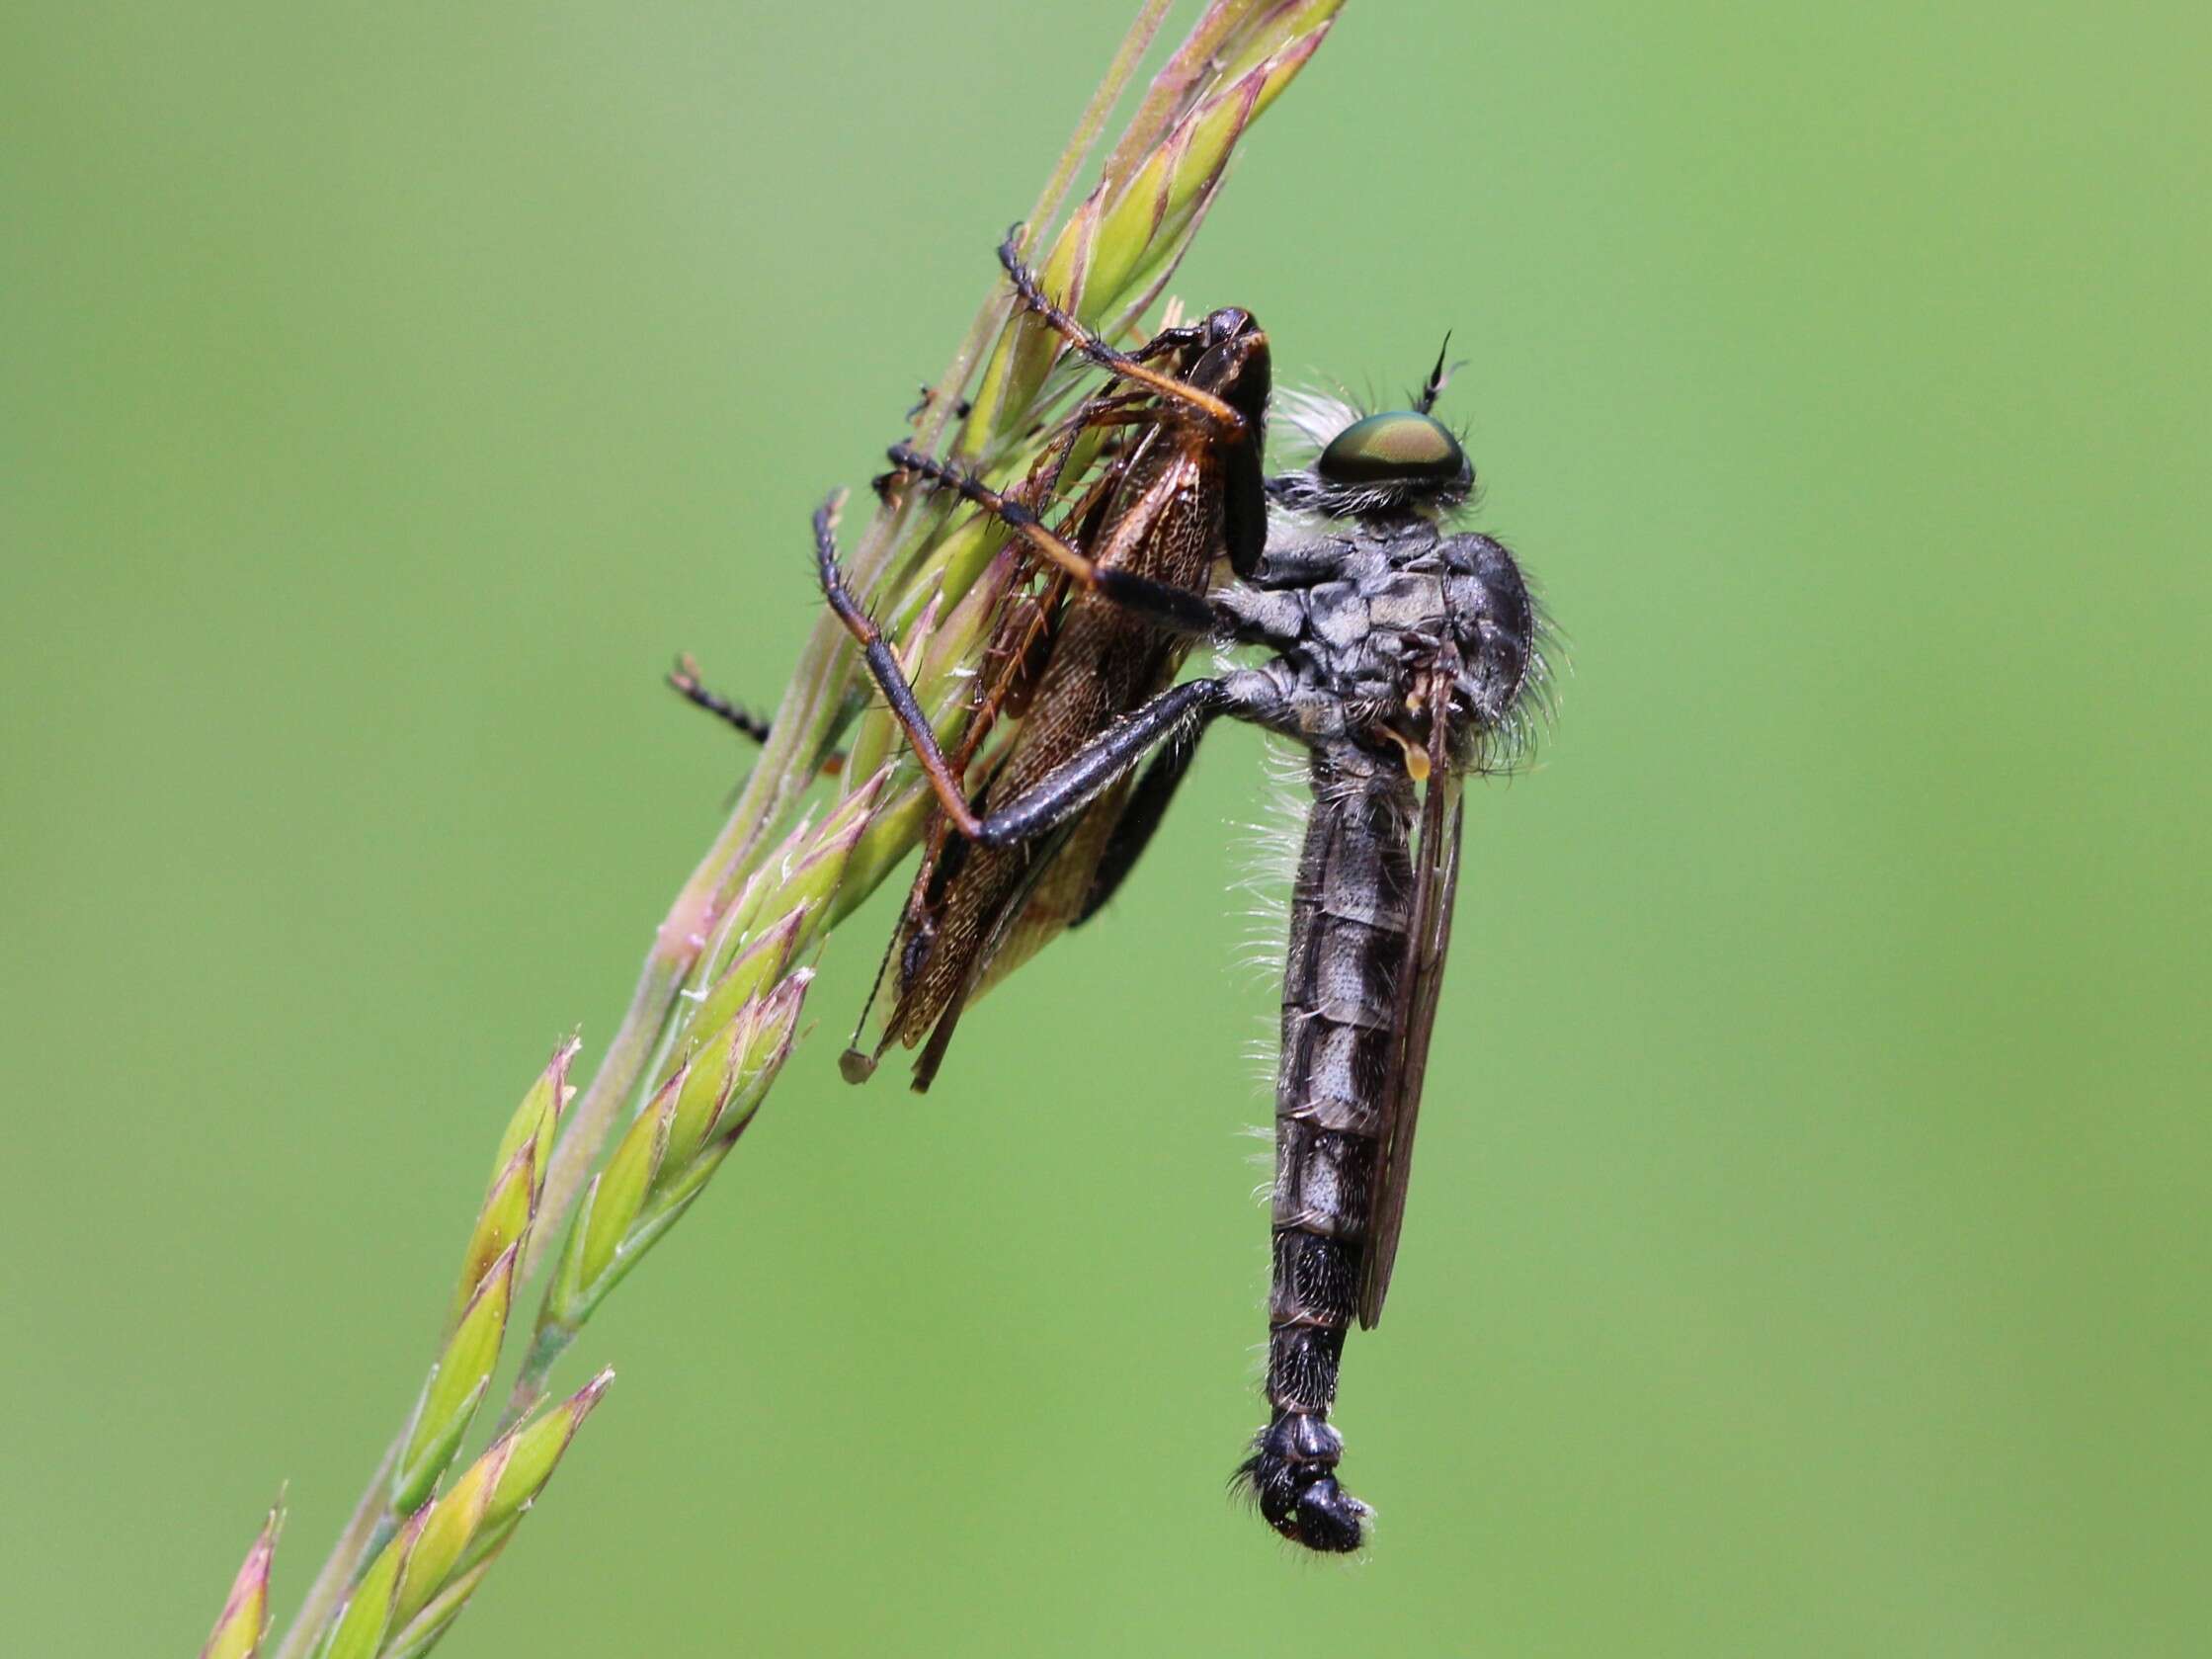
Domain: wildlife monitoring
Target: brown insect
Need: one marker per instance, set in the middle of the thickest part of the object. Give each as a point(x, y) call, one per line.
point(1181, 494)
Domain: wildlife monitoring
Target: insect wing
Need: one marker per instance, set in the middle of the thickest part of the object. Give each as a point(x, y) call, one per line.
point(1002, 905)
point(1420, 978)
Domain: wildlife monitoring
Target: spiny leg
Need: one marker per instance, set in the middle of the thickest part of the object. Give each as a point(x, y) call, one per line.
point(890, 678)
point(684, 678)
point(1127, 365)
point(1132, 832)
point(1234, 617)
point(1052, 804)
point(1172, 607)
point(1098, 413)
point(1178, 712)
point(1101, 408)
point(1105, 408)
point(1053, 798)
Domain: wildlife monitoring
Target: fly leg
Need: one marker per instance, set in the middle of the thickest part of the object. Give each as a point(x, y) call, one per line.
point(1061, 795)
point(1132, 832)
point(1126, 366)
point(883, 667)
point(1178, 714)
point(1172, 607)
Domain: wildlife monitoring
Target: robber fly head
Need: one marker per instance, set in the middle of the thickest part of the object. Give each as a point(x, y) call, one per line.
point(1396, 460)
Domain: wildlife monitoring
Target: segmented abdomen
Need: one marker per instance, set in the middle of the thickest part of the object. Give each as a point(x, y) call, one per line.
point(1348, 916)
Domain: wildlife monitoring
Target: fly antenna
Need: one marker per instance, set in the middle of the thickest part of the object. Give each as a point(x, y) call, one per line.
point(1437, 378)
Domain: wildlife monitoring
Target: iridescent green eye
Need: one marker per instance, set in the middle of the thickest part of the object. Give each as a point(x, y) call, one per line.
point(1401, 447)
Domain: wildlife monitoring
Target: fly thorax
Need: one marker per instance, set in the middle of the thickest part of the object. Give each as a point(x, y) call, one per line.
point(1493, 623)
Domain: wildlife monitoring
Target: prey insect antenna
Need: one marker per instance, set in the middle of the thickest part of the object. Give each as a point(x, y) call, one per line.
point(685, 680)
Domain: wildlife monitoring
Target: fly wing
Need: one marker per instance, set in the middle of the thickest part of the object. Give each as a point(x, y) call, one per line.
point(1436, 877)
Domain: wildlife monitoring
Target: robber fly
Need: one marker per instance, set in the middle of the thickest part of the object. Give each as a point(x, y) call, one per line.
point(1402, 655)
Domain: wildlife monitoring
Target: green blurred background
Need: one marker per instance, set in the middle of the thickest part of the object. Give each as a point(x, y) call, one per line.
point(1809, 1255)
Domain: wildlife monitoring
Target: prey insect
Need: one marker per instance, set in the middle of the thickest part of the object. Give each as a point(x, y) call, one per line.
point(1179, 494)
point(1401, 655)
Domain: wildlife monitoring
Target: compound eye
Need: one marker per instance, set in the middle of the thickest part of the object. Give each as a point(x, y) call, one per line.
point(1397, 448)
